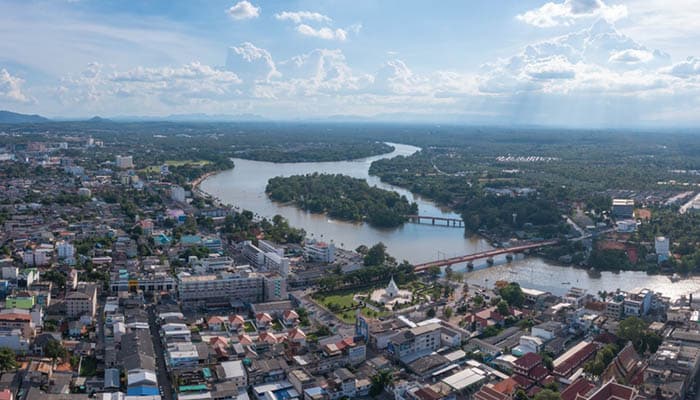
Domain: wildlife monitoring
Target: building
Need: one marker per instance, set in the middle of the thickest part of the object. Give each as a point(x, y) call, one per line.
point(16, 320)
point(276, 263)
point(235, 372)
point(177, 193)
point(623, 208)
point(124, 162)
point(320, 251)
point(662, 247)
point(671, 370)
point(415, 342)
point(65, 250)
point(221, 287)
point(82, 302)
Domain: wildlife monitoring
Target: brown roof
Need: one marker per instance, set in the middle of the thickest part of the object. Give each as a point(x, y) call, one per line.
point(576, 359)
point(15, 317)
point(528, 361)
point(580, 386)
point(490, 393)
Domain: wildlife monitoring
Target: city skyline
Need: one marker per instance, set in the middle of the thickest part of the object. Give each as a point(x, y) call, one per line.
point(586, 63)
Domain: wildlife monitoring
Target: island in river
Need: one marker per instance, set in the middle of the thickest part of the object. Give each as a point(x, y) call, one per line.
point(342, 197)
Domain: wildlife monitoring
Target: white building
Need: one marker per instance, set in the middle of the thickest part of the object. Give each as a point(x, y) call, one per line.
point(65, 250)
point(246, 286)
point(234, 371)
point(275, 263)
point(85, 192)
point(662, 246)
point(124, 162)
point(36, 258)
point(320, 251)
point(177, 193)
point(415, 342)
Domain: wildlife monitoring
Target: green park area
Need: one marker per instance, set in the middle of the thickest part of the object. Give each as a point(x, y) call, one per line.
point(152, 169)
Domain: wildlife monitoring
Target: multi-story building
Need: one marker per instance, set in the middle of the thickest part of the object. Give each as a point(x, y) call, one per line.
point(275, 263)
point(415, 342)
point(671, 370)
point(623, 208)
point(177, 193)
point(82, 302)
point(275, 287)
point(662, 246)
point(614, 307)
point(65, 250)
point(18, 320)
point(243, 285)
point(320, 251)
point(124, 162)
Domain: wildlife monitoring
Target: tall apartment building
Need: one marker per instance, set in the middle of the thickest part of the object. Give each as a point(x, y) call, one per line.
point(124, 162)
point(320, 252)
point(177, 193)
point(81, 302)
point(415, 342)
point(246, 286)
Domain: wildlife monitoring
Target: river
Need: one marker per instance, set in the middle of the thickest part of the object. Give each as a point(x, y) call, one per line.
point(244, 187)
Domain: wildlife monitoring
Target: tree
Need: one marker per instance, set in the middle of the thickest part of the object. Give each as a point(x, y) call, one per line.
point(57, 278)
point(513, 294)
point(633, 329)
point(502, 308)
point(478, 300)
point(521, 395)
point(447, 312)
point(54, 349)
point(380, 381)
point(376, 255)
point(430, 313)
point(7, 359)
point(547, 394)
point(434, 271)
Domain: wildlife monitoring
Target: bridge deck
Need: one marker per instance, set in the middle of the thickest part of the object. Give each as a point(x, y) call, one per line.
point(483, 254)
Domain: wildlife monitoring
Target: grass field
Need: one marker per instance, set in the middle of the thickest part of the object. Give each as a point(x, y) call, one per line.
point(344, 300)
point(175, 163)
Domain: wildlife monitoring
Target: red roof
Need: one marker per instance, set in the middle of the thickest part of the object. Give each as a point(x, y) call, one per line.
point(15, 317)
point(539, 372)
point(579, 386)
point(490, 393)
point(576, 359)
point(528, 361)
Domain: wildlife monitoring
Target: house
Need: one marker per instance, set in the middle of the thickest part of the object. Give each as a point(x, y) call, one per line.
point(415, 342)
point(216, 323)
point(263, 320)
point(290, 318)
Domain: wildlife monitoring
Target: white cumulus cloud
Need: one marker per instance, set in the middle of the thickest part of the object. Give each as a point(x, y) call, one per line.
point(323, 33)
point(565, 13)
point(299, 16)
point(243, 10)
point(11, 88)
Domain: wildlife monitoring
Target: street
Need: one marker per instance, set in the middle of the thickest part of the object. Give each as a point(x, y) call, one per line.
point(161, 370)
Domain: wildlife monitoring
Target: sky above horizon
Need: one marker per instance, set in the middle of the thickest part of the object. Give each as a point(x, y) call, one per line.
point(561, 62)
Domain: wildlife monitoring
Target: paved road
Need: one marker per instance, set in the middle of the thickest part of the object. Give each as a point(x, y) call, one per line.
point(161, 372)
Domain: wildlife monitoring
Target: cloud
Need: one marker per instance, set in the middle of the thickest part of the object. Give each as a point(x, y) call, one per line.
point(251, 63)
point(555, 14)
point(631, 56)
point(299, 16)
point(11, 88)
point(243, 10)
point(323, 33)
point(685, 69)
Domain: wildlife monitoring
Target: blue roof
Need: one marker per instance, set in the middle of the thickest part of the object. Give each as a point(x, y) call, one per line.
point(143, 391)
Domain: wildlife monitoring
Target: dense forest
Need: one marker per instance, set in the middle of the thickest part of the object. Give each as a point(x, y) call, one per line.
point(342, 197)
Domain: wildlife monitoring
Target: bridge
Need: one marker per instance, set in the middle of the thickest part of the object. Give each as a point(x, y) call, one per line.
point(489, 254)
point(456, 222)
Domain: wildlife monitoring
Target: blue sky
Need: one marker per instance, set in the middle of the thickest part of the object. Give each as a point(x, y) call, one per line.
point(560, 62)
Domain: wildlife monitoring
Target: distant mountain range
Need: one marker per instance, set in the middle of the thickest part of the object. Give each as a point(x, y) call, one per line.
point(9, 117)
